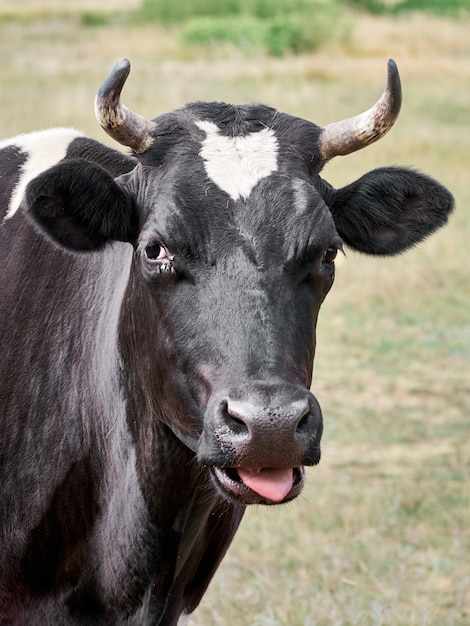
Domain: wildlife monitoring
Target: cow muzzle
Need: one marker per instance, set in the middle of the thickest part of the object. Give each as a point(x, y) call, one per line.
point(256, 440)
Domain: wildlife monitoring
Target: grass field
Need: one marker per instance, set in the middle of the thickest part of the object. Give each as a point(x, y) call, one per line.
point(381, 535)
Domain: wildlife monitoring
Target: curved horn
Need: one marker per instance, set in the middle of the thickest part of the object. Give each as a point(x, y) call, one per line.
point(354, 133)
point(128, 128)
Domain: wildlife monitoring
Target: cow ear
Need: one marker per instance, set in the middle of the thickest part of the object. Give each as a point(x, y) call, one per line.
point(389, 210)
point(81, 206)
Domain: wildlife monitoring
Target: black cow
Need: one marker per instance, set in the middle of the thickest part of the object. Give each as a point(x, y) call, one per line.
point(158, 316)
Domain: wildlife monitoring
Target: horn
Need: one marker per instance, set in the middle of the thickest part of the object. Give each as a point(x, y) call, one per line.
point(354, 133)
point(128, 128)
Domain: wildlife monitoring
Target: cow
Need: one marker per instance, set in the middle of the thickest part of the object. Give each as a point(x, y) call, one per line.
point(158, 311)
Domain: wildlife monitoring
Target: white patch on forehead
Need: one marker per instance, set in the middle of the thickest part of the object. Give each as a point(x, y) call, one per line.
point(236, 164)
point(44, 149)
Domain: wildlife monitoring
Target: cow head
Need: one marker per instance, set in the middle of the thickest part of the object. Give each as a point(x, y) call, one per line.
point(235, 236)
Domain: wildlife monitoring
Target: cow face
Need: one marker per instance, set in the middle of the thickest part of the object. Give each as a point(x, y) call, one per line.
point(235, 236)
point(238, 268)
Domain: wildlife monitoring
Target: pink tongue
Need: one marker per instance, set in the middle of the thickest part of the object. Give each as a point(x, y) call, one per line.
point(270, 483)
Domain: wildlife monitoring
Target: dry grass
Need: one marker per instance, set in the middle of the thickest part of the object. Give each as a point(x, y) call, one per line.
point(381, 535)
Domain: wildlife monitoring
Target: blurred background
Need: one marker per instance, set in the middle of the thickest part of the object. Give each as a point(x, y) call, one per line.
point(381, 535)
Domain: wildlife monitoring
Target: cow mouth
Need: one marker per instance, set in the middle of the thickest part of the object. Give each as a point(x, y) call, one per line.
point(259, 486)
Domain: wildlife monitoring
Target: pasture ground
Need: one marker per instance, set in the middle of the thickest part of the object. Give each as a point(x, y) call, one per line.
point(381, 535)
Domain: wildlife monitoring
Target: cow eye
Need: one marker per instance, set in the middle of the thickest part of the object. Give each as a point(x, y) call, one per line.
point(157, 256)
point(330, 254)
point(155, 252)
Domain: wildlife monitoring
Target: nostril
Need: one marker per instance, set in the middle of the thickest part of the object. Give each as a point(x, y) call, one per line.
point(237, 420)
point(234, 416)
point(304, 423)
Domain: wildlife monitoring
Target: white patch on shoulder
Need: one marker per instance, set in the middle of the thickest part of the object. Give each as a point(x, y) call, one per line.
point(44, 148)
point(236, 164)
point(183, 620)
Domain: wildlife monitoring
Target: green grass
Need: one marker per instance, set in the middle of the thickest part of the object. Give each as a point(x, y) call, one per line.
point(278, 35)
point(381, 535)
point(277, 26)
point(163, 11)
point(397, 7)
point(436, 7)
